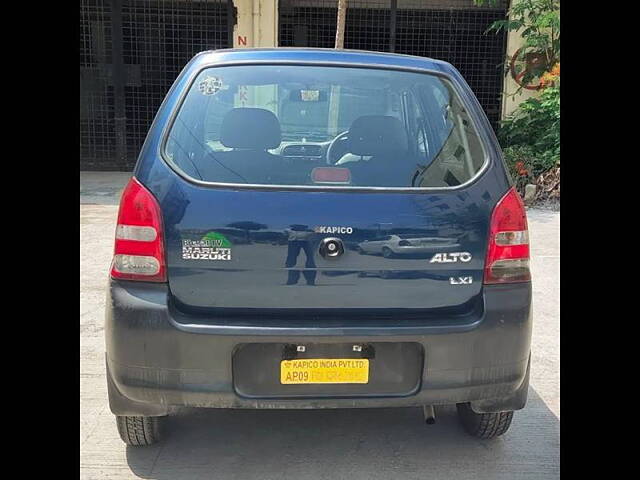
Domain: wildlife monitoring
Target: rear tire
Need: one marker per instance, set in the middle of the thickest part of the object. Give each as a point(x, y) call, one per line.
point(484, 425)
point(138, 431)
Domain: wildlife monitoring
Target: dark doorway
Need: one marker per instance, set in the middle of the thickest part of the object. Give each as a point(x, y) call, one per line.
point(131, 51)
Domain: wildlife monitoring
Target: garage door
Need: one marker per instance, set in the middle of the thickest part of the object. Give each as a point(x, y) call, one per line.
point(131, 51)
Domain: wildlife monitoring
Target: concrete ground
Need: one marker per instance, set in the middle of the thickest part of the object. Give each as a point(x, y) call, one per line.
point(321, 444)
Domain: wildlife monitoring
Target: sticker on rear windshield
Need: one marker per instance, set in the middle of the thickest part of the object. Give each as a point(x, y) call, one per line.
point(211, 85)
point(213, 246)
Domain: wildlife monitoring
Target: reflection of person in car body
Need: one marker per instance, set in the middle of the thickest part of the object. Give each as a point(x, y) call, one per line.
point(300, 237)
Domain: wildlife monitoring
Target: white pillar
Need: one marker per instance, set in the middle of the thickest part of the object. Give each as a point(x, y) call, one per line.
point(510, 102)
point(257, 23)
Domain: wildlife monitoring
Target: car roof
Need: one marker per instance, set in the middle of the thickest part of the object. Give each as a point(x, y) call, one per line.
point(321, 56)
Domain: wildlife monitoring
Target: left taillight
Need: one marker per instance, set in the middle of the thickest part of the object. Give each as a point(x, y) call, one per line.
point(139, 247)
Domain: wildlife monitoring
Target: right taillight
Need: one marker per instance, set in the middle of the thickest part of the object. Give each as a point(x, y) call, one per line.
point(508, 252)
point(139, 248)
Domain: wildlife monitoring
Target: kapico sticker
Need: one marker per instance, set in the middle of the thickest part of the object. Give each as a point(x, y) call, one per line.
point(213, 246)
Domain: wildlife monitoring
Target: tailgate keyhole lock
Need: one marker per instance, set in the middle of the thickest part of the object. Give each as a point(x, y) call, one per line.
point(331, 247)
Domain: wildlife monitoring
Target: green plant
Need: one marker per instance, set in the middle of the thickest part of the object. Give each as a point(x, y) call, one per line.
point(520, 160)
point(538, 22)
point(536, 125)
point(530, 137)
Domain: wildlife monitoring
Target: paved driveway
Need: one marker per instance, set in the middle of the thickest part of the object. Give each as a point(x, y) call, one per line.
point(322, 444)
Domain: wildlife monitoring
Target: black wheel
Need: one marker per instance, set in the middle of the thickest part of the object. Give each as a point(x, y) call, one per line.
point(139, 431)
point(484, 425)
point(387, 252)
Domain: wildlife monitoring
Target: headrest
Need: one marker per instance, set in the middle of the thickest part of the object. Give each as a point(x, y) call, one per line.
point(377, 135)
point(253, 128)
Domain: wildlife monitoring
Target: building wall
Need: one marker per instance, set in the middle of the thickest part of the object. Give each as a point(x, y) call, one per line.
point(511, 100)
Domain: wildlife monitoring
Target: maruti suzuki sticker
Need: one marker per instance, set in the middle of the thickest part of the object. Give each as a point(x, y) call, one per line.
point(213, 246)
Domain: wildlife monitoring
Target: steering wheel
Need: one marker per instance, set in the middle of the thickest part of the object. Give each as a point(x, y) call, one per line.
point(339, 138)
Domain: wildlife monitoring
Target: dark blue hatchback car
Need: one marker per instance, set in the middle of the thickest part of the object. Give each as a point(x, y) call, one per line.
point(313, 228)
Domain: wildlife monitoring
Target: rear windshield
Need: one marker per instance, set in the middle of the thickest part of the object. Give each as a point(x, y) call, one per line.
point(323, 126)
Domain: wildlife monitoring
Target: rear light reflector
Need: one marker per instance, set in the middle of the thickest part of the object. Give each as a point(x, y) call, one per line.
point(508, 250)
point(514, 270)
point(139, 248)
point(131, 232)
point(136, 264)
point(512, 238)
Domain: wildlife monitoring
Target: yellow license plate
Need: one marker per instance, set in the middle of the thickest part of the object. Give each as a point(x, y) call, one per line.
point(324, 370)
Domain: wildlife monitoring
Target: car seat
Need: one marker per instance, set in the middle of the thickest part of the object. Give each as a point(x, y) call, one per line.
point(384, 139)
point(249, 132)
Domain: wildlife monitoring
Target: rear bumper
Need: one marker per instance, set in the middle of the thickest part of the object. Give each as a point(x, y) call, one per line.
point(158, 358)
